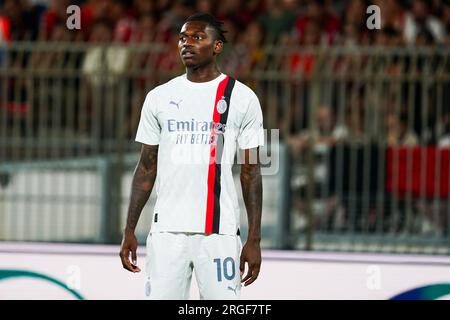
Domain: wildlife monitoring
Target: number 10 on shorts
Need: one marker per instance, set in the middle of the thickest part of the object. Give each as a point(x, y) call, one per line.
point(227, 267)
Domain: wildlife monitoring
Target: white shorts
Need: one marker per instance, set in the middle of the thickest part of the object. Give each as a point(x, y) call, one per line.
point(171, 257)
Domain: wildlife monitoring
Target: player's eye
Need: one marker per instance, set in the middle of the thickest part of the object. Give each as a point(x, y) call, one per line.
point(198, 37)
point(182, 38)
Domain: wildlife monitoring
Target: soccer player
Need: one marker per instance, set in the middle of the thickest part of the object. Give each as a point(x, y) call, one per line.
point(190, 128)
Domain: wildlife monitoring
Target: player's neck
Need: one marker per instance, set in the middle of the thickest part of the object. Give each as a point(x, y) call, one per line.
point(203, 74)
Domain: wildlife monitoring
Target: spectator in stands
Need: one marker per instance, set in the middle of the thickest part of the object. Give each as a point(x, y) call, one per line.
point(104, 67)
point(355, 13)
point(351, 36)
point(172, 20)
point(232, 9)
point(91, 10)
point(142, 60)
point(102, 32)
point(387, 37)
point(303, 61)
point(240, 12)
point(111, 59)
point(419, 21)
point(276, 21)
point(144, 8)
point(169, 62)
point(55, 14)
point(120, 16)
point(163, 6)
point(247, 52)
point(101, 65)
point(19, 21)
point(46, 59)
point(443, 130)
point(393, 13)
point(206, 6)
point(326, 133)
point(397, 129)
point(230, 56)
point(446, 21)
point(317, 13)
point(354, 31)
point(253, 39)
point(146, 29)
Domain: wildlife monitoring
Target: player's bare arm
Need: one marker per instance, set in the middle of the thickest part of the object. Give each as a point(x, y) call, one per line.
point(251, 182)
point(143, 180)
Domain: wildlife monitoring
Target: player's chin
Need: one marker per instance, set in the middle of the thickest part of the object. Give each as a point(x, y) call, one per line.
point(189, 62)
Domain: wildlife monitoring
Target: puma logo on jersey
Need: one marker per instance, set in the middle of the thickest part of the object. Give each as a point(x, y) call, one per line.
point(176, 103)
point(232, 289)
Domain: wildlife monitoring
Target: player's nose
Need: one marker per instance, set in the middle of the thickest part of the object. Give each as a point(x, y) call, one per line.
point(187, 44)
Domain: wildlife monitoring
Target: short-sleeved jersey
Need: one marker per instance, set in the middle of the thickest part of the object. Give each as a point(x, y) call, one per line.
point(199, 126)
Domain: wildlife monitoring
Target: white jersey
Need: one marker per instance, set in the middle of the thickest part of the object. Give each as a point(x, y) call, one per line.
point(198, 127)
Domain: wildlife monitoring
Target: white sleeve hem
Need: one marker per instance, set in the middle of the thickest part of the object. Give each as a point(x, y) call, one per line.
point(251, 145)
point(149, 142)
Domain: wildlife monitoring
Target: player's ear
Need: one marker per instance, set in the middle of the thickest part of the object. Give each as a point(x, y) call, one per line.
point(218, 46)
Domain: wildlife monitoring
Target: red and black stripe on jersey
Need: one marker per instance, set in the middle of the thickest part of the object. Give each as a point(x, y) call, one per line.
point(212, 222)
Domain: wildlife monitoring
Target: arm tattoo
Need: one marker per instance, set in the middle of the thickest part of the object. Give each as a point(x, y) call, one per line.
point(143, 180)
point(251, 182)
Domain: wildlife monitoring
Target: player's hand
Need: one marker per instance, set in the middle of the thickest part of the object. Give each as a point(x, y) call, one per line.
point(251, 253)
point(129, 245)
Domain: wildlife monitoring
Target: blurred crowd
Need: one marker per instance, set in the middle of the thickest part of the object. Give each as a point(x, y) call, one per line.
point(264, 21)
point(253, 28)
point(408, 112)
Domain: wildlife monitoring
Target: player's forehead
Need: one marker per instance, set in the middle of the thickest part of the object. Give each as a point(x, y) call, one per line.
point(192, 27)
